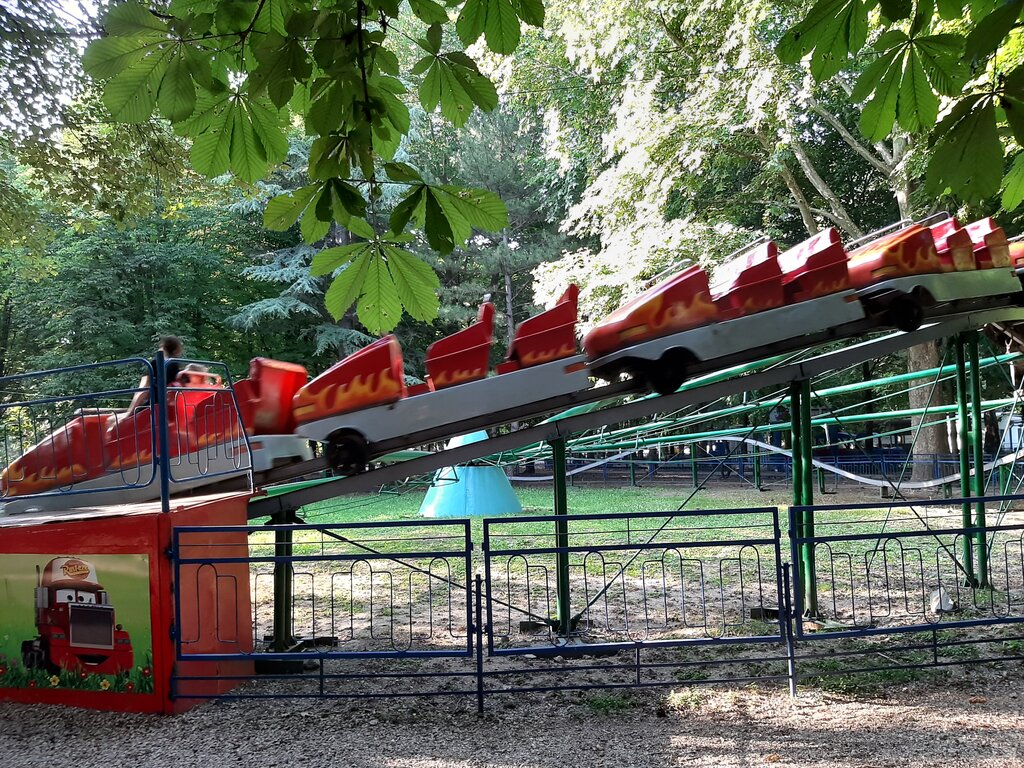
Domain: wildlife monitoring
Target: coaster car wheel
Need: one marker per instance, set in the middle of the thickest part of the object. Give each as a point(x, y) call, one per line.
point(668, 373)
point(347, 452)
point(905, 313)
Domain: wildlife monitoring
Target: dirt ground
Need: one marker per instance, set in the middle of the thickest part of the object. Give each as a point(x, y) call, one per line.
point(957, 724)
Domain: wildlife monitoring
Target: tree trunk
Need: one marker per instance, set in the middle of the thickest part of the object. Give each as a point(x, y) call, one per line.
point(6, 318)
point(510, 312)
point(901, 180)
point(932, 439)
point(802, 204)
point(510, 320)
point(830, 197)
point(801, 200)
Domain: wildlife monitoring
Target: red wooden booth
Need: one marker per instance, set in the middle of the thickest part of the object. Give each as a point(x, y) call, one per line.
point(89, 605)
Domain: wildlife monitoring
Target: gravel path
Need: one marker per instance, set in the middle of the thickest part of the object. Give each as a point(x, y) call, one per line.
point(981, 727)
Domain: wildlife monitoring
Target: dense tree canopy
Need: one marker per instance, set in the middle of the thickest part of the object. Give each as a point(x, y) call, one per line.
point(231, 75)
point(293, 177)
point(951, 69)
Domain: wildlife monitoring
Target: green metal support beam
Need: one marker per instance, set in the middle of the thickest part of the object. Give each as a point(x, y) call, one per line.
point(795, 438)
point(935, 410)
point(799, 436)
point(561, 537)
point(283, 575)
point(977, 442)
point(964, 448)
point(807, 498)
point(771, 402)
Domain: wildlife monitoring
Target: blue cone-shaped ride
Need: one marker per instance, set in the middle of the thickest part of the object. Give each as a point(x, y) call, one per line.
point(467, 491)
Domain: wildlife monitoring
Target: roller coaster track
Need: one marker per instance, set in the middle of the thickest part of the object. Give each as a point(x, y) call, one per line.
point(373, 480)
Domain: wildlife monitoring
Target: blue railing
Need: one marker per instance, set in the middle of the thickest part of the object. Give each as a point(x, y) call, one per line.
point(87, 444)
point(653, 599)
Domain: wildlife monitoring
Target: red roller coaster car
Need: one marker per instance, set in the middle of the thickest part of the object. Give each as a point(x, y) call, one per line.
point(363, 401)
point(103, 450)
point(763, 302)
point(773, 301)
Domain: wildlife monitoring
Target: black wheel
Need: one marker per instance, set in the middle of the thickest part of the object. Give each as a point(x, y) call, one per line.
point(666, 375)
point(32, 656)
point(905, 314)
point(347, 453)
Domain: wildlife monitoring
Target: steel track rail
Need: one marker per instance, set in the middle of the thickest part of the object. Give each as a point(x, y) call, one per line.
point(563, 428)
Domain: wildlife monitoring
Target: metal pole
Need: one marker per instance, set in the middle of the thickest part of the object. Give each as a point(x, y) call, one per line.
point(479, 631)
point(787, 617)
point(807, 478)
point(158, 396)
point(795, 434)
point(632, 470)
point(757, 468)
point(796, 465)
point(561, 536)
point(977, 436)
point(283, 573)
point(965, 469)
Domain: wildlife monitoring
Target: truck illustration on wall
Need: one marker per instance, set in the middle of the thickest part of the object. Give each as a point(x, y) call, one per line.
point(75, 621)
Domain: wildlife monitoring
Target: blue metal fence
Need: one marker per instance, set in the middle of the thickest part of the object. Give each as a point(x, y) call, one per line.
point(654, 599)
point(907, 586)
point(368, 592)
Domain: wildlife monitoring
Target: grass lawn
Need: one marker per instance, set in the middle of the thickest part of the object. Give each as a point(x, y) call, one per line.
point(691, 526)
point(387, 507)
point(535, 501)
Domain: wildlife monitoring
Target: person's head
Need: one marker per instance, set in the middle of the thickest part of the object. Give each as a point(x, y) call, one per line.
point(172, 346)
point(194, 375)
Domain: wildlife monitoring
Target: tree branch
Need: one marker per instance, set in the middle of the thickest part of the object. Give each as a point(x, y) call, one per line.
point(800, 199)
point(806, 212)
point(672, 35)
point(884, 168)
point(834, 203)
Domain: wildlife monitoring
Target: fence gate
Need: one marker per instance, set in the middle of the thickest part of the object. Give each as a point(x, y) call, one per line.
point(396, 596)
point(649, 599)
point(907, 585)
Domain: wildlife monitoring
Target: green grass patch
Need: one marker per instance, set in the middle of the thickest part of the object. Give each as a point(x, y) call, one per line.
point(608, 703)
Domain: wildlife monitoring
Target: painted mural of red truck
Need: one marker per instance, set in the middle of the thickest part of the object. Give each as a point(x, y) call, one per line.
point(76, 623)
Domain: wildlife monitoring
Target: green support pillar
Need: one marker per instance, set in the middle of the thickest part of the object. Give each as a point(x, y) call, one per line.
point(632, 471)
point(795, 435)
point(561, 537)
point(803, 485)
point(965, 468)
point(283, 574)
point(807, 478)
point(978, 443)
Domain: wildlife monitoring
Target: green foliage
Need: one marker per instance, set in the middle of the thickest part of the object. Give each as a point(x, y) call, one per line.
point(232, 76)
point(905, 80)
point(688, 138)
point(376, 274)
point(922, 56)
point(970, 156)
point(608, 703)
point(39, 70)
point(109, 293)
point(831, 31)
